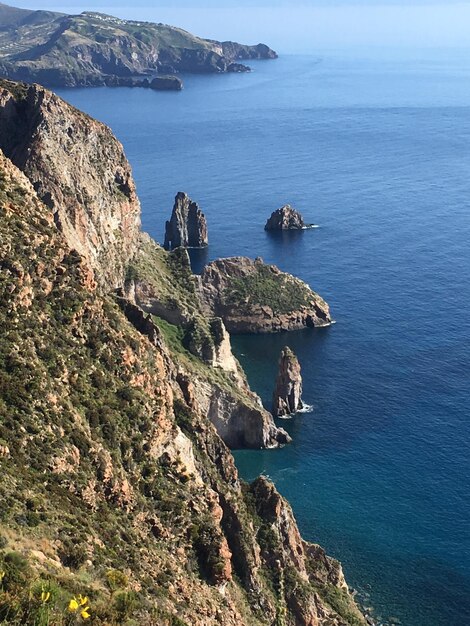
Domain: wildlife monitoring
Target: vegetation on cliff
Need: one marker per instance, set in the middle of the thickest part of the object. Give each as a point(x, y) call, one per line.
point(251, 296)
point(117, 490)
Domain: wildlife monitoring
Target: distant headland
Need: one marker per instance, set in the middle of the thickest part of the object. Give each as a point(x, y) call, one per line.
point(93, 49)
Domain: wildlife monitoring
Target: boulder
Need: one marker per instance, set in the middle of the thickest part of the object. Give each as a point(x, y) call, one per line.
point(187, 226)
point(287, 396)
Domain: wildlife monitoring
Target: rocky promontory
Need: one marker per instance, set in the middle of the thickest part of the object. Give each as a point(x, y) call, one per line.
point(287, 396)
point(92, 49)
point(286, 218)
point(253, 297)
point(187, 227)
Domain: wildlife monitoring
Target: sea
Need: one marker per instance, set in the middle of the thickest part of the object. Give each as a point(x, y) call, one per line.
point(376, 152)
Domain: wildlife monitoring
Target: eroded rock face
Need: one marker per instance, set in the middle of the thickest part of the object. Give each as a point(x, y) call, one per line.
point(287, 396)
point(187, 226)
point(286, 218)
point(241, 421)
point(79, 170)
point(253, 297)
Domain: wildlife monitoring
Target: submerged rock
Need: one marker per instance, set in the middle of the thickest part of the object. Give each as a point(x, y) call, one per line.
point(286, 218)
point(187, 226)
point(287, 396)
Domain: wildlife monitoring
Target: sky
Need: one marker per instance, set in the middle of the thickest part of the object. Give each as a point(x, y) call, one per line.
point(297, 26)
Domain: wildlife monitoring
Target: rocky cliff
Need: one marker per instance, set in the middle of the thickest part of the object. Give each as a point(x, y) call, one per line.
point(96, 49)
point(187, 226)
point(115, 485)
point(252, 297)
point(79, 170)
point(162, 286)
point(286, 218)
point(287, 396)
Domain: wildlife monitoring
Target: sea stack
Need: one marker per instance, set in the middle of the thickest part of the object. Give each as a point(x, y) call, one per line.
point(187, 226)
point(286, 218)
point(287, 397)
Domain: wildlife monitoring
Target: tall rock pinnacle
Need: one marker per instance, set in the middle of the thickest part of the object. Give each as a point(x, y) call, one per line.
point(287, 397)
point(187, 226)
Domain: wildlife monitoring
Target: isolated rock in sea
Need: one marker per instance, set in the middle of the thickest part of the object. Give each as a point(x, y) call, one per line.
point(286, 218)
point(187, 226)
point(287, 396)
point(166, 83)
point(253, 297)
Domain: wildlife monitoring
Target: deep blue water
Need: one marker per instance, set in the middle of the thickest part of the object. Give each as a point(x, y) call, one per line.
point(378, 154)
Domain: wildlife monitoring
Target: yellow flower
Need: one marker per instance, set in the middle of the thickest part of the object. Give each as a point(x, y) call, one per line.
point(82, 599)
point(45, 596)
point(73, 605)
point(85, 612)
point(2, 575)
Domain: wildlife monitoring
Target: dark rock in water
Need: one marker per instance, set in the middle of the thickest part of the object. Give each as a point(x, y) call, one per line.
point(238, 68)
point(166, 83)
point(187, 226)
point(159, 83)
point(286, 218)
point(287, 396)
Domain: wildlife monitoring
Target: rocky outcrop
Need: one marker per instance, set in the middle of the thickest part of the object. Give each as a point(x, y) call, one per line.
point(166, 83)
point(240, 419)
point(252, 297)
point(79, 170)
point(287, 396)
point(187, 226)
point(161, 285)
point(158, 83)
point(286, 218)
point(299, 563)
point(93, 49)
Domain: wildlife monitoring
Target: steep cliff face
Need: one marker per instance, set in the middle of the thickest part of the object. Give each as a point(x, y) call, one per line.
point(79, 170)
point(162, 286)
point(287, 396)
point(252, 297)
point(187, 226)
point(114, 483)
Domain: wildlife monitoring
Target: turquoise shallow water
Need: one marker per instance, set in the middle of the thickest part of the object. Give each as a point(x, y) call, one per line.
point(378, 154)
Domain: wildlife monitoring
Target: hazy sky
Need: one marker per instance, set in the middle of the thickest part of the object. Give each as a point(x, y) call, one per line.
point(299, 26)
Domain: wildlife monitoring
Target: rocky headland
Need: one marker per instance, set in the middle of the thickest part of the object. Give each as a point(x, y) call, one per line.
point(117, 389)
point(286, 218)
point(187, 226)
point(287, 396)
point(253, 297)
point(93, 49)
